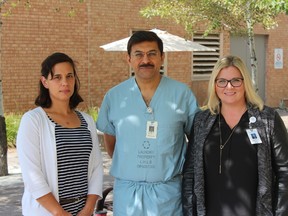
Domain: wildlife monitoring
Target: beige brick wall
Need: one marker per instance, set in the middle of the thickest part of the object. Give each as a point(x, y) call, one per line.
point(30, 35)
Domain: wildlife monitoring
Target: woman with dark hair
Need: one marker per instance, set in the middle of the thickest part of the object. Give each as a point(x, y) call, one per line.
point(44, 99)
point(58, 147)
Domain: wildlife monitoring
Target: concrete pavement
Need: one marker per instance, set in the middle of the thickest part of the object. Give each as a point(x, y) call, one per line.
point(11, 186)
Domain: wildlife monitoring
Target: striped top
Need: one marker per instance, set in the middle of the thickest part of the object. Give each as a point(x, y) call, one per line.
point(74, 146)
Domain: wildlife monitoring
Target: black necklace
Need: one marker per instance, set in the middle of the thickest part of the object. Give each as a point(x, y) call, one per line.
point(221, 146)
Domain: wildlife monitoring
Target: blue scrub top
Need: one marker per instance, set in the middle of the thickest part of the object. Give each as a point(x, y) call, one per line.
point(124, 114)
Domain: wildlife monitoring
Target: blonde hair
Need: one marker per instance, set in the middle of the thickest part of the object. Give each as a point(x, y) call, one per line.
point(251, 96)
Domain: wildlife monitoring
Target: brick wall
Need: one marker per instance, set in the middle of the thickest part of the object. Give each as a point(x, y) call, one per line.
point(277, 79)
point(113, 21)
point(30, 35)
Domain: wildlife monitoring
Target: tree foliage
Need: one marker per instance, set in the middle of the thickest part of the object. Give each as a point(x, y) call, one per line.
point(231, 15)
point(235, 16)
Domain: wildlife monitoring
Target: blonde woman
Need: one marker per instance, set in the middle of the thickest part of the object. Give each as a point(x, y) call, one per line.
point(237, 159)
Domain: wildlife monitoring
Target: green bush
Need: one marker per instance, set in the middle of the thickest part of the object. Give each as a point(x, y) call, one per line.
point(93, 111)
point(12, 124)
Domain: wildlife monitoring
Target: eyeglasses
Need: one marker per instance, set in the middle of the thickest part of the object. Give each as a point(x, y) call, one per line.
point(140, 55)
point(235, 82)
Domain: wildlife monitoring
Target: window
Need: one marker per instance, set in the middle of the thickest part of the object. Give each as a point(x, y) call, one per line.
point(204, 61)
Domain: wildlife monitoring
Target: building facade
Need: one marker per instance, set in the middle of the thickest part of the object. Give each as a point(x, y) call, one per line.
point(32, 33)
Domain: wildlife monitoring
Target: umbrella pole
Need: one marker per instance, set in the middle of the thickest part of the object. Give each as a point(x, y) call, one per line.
point(166, 64)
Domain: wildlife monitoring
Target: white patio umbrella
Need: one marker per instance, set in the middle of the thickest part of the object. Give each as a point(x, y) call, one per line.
point(171, 43)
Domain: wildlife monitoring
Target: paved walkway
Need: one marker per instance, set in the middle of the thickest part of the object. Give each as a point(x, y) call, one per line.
point(11, 186)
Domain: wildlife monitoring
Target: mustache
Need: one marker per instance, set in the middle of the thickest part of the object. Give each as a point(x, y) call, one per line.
point(147, 65)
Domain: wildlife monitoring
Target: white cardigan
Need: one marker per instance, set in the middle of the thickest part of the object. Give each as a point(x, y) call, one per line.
point(36, 147)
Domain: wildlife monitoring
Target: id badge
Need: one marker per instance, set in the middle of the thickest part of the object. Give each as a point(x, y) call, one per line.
point(151, 129)
point(253, 136)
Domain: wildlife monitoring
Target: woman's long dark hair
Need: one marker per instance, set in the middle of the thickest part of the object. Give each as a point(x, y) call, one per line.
point(43, 99)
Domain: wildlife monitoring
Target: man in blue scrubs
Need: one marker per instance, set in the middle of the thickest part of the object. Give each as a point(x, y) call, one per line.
point(144, 120)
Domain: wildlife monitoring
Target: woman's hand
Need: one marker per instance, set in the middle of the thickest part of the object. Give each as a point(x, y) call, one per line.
point(89, 207)
point(85, 212)
point(63, 213)
point(49, 202)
